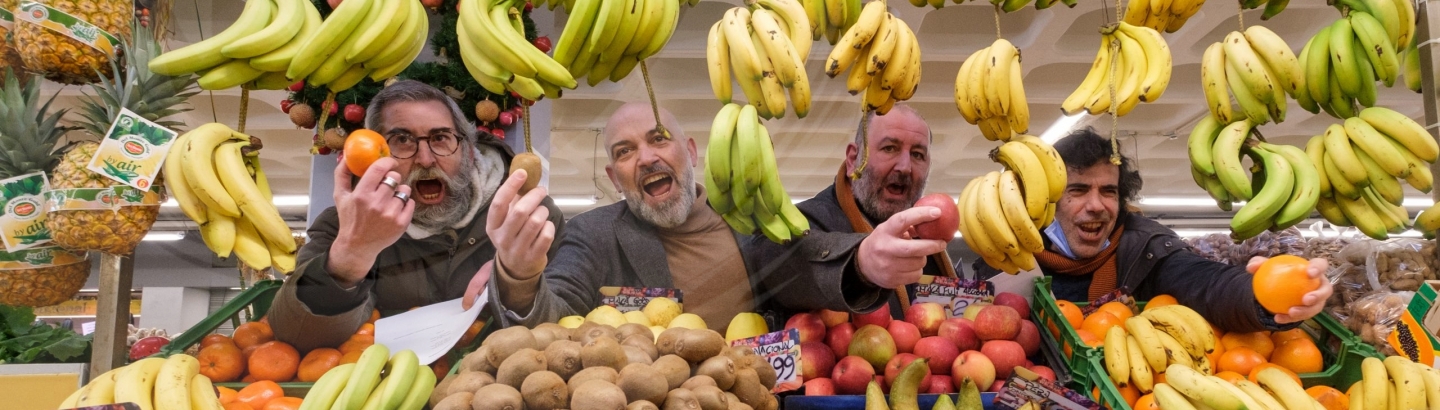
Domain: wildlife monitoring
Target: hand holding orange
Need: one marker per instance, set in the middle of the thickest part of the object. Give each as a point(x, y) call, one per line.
point(362, 148)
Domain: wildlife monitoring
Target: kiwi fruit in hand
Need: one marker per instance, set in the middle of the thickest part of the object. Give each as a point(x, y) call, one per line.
point(531, 164)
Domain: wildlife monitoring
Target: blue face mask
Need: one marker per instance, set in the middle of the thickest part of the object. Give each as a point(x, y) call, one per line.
point(1057, 237)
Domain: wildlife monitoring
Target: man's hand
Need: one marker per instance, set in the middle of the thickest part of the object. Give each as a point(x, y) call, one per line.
point(371, 219)
point(520, 228)
point(1313, 302)
point(476, 285)
point(889, 257)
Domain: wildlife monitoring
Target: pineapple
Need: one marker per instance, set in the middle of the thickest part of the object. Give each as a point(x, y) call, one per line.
point(149, 95)
point(28, 135)
point(9, 57)
point(64, 60)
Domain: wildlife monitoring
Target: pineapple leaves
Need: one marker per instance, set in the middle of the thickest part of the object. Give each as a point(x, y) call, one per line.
point(149, 95)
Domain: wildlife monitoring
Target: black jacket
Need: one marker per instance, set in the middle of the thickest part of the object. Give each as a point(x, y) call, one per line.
point(1152, 260)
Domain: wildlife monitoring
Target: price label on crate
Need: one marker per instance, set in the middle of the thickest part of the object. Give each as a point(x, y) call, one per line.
point(1025, 386)
point(952, 293)
point(625, 298)
point(782, 350)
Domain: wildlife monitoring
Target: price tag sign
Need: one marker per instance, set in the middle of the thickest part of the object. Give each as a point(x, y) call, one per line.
point(1025, 386)
point(22, 222)
point(132, 150)
point(625, 298)
point(782, 350)
point(952, 293)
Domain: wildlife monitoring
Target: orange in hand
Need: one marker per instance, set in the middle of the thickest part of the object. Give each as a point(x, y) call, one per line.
point(362, 148)
point(1282, 282)
point(316, 363)
point(257, 394)
point(274, 361)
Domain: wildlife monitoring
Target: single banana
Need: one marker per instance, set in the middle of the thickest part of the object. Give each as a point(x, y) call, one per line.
point(1013, 205)
point(1431, 377)
point(1420, 176)
point(1317, 66)
point(1339, 152)
point(1175, 353)
point(419, 392)
point(1261, 396)
point(1212, 186)
point(202, 394)
point(250, 247)
point(1364, 218)
point(777, 46)
point(198, 164)
point(992, 217)
point(1030, 171)
point(1330, 210)
point(1257, 111)
point(228, 75)
point(1148, 340)
point(179, 188)
point(997, 84)
point(1306, 189)
point(1383, 184)
point(137, 383)
point(1408, 380)
point(1315, 149)
point(1140, 374)
point(744, 58)
point(1201, 144)
point(1376, 46)
point(1404, 130)
point(1377, 146)
point(400, 374)
point(770, 86)
point(206, 53)
point(1168, 398)
point(324, 392)
point(1132, 73)
point(218, 233)
point(1281, 63)
point(1344, 61)
point(1019, 116)
point(99, 391)
point(1242, 59)
point(1196, 386)
point(718, 149)
point(172, 384)
point(1290, 393)
point(230, 167)
point(1214, 84)
point(1226, 155)
point(363, 379)
point(744, 161)
point(1117, 356)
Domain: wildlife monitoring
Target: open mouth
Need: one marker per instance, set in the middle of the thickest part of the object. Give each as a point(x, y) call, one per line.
point(429, 190)
point(657, 185)
point(897, 189)
point(1091, 229)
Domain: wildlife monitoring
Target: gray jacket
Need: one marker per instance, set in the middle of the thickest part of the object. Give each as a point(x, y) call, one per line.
point(611, 246)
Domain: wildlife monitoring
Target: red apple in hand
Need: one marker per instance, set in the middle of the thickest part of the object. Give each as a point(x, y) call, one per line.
point(944, 227)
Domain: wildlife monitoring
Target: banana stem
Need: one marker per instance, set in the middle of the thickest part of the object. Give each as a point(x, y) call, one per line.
point(654, 105)
point(997, 21)
point(1240, 15)
point(525, 114)
point(325, 111)
point(864, 145)
point(1114, 100)
point(244, 107)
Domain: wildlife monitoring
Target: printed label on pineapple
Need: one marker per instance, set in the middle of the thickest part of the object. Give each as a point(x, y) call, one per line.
point(625, 298)
point(132, 150)
point(112, 198)
point(953, 293)
point(1029, 387)
point(782, 350)
point(35, 12)
point(22, 226)
point(38, 258)
point(7, 19)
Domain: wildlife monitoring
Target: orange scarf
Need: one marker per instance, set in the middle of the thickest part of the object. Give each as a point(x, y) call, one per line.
point(1102, 265)
point(860, 224)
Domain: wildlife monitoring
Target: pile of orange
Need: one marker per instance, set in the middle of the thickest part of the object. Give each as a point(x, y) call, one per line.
point(1245, 353)
point(252, 354)
point(261, 395)
point(1091, 328)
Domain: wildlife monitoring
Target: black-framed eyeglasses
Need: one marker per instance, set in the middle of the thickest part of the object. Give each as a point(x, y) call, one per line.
point(403, 145)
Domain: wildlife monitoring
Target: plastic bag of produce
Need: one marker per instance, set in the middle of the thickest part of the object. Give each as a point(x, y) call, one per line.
point(1374, 316)
point(1329, 239)
point(1214, 246)
point(1267, 244)
point(1400, 264)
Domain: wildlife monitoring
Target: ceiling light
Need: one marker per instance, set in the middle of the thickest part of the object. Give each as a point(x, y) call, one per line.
point(1411, 202)
point(574, 201)
point(1061, 127)
point(163, 236)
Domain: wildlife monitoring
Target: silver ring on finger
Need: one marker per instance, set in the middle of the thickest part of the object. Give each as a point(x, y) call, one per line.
point(404, 197)
point(390, 182)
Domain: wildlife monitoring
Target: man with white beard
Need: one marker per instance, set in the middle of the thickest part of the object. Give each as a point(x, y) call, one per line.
point(409, 232)
point(663, 236)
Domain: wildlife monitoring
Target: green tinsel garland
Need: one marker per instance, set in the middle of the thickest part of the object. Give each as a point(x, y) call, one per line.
point(447, 72)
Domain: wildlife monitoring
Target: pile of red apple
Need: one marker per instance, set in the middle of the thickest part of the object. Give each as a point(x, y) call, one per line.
point(984, 345)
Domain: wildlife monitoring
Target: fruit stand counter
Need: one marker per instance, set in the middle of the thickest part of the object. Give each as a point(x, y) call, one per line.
point(39, 386)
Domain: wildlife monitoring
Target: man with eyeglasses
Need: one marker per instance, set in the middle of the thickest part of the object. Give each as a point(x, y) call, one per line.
point(410, 232)
point(664, 234)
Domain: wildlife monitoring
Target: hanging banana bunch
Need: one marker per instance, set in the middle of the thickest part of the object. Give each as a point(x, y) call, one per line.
point(882, 56)
point(1133, 62)
point(742, 179)
point(989, 92)
point(1006, 211)
point(1343, 61)
point(1167, 15)
point(765, 46)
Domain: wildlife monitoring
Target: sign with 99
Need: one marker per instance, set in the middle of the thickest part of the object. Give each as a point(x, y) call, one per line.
point(782, 351)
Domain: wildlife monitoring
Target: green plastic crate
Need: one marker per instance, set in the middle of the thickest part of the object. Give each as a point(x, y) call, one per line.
point(1047, 312)
point(1341, 350)
point(258, 297)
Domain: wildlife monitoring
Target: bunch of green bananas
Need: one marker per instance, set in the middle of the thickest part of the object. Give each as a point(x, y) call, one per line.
point(155, 382)
point(989, 91)
point(1343, 61)
point(1258, 68)
point(1133, 63)
point(275, 43)
point(1005, 211)
point(742, 180)
point(883, 57)
point(1272, 7)
point(831, 18)
point(1395, 382)
point(1168, 15)
point(406, 383)
point(507, 62)
point(766, 47)
point(1361, 163)
point(211, 180)
point(606, 39)
point(1286, 182)
point(1147, 344)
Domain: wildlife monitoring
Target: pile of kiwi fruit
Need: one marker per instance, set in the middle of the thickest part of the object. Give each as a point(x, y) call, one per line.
point(600, 367)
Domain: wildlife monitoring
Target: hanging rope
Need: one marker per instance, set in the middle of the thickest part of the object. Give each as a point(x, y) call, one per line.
point(525, 114)
point(325, 110)
point(244, 108)
point(997, 21)
point(1240, 16)
point(1114, 45)
point(654, 105)
point(864, 145)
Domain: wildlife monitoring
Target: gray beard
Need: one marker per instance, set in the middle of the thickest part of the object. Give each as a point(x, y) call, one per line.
point(457, 202)
point(867, 194)
point(669, 214)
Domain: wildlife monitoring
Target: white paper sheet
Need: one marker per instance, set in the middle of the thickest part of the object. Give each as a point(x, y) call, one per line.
point(429, 331)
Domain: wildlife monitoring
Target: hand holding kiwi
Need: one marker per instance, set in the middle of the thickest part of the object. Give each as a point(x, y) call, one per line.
point(531, 164)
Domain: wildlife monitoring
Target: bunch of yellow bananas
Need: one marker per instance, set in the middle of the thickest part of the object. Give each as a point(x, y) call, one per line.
point(989, 91)
point(150, 383)
point(1167, 15)
point(1395, 382)
point(508, 62)
point(1343, 61)
point(883, 57)
point(274, 43)
point(1361, 164)
point(742, 180)
point(1141, 72)
point(831, 18)
point(765, 46)
point(1005, 211)
point(406, 383)
point(1291, 184)
point(211, 180)
point(1149, 344)
point(606, 39)
point(1258, 68)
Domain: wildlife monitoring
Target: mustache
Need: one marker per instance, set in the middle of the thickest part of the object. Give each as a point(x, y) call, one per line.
point(423, 173)
point(647, 170)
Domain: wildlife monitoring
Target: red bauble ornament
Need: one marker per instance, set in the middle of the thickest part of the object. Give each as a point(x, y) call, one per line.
point(543, 43)
point(285, 106)
point(334, 3)
point(430, 3)
point(299, 85)
point(499, 133)
point(506, 118)
point(323, 150)
point(354, 113)
point(529, 6)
